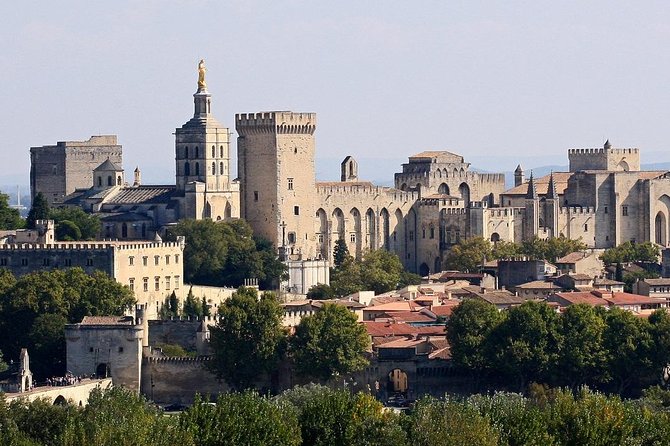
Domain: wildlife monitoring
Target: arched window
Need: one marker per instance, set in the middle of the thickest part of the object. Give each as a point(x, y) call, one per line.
point(213, 152)
point(197, 168)
point(221, 167)
point(197, 152)
point(213, 168)
point(99, 181)
point(109, 180)
point(186, 152)
point(118, 180)
point(124, 230)
point(187, 169)
point(144, 230)
point(221, 151)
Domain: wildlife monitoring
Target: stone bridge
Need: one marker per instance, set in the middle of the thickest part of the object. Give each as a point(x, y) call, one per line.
point(75, 393)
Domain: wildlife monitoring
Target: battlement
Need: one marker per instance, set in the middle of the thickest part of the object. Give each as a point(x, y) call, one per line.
point(280, 122)
point(93, 141)
point(179, 359)
point(101, 246)
point(359, 189)
point(592, 151)
point(454, 211)
point(576, 210)
point(504, 212)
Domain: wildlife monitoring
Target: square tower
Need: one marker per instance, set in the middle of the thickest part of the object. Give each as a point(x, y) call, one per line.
point(59, 170)
point(277, 179)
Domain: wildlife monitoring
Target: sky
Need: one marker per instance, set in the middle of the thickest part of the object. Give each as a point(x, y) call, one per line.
point(497, 82)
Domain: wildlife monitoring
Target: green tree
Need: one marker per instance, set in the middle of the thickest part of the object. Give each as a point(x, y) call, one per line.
point(346, 278)
point(659, 329)
point(469, 254)
point(629, 278)
point(505, 250)
point(447, 423)
point(248, 340)
point(226, 253)
point(205, 307)
point(526, 343)
point(628, 341)
point(67, 230)
point(241, 419)
point(469, 327)
point(583, 357)
point(328, 343)
point(35, 308)
point(381, 271)
point(407, 278)
point(38, 211)
point(10, 218)
point(551, 249)
point(122, 418)
point(320, 291)
point(170, 308)
point(3, 364)
point(88, 225)
point(340, 252)
point(338, 417)
point(631, 252)
point(192, 306)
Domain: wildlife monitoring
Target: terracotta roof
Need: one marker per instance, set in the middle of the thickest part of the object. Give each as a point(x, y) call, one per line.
point(542, 184)
point(443, 310)
point(539, 284)
point(403, 305)
point(633, 299)
point(581, 297)
point(442, 353)
point(402, 343)
point(107, 320)
point(375, 329)
point(409, 316)
point(573, 257)
point(432, 330)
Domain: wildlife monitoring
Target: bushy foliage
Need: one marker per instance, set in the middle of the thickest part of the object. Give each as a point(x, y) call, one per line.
point(226, 253)
point(631, 252)
point(330, 342)
point(10, 218)
point(75, 224)
point(248, 339)
point(379, 271)
point(614, 349)
point(35, 308)
point(320, 416)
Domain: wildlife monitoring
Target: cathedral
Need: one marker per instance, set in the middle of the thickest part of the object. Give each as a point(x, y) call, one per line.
point(604, 198)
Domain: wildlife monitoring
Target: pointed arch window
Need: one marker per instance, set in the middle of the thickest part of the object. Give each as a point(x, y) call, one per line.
point(197, 168)
point(213, 168)
point(187, 168)
point(221, 167)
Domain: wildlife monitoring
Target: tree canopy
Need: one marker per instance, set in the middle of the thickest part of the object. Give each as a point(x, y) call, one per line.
point(612, 349)
point(248, 339)
point(631, 252)
point(35, 308)
point(379, 271)
point(469, 254)
point(328, 343)
point(10, 218)
point(226, 253)
point(39, 210)
point(75, 224)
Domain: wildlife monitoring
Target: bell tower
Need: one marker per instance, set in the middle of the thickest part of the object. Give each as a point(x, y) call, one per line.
point(202, 161)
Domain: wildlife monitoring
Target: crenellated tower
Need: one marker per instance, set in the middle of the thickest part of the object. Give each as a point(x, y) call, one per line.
point(277, 179)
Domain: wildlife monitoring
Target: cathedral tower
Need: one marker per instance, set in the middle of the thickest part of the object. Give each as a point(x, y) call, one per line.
point(276, 169)
point(202, 157)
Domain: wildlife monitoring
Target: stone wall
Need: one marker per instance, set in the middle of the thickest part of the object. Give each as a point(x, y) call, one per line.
point(178, 380)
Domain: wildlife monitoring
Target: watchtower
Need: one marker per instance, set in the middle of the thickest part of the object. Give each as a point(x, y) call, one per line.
point(277, 179)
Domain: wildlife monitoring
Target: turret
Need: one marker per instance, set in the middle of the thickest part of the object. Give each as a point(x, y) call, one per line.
point(532, 191)
point(349, 169)
point(138, 177)
point(519, 177)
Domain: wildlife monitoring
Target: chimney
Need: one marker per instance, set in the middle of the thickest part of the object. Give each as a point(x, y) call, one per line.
point(138, 177)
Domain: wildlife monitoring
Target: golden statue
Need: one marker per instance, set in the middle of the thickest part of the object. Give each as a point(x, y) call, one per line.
point(202, 86)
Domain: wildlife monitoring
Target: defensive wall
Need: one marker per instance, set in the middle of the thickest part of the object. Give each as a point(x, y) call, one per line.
point(76, 393)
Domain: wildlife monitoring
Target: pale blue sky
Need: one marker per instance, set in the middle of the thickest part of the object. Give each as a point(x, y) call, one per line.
point(494, 81)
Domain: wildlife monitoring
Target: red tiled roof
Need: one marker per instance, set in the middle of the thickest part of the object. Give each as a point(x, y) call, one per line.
point(408, 316)
point(375, 329)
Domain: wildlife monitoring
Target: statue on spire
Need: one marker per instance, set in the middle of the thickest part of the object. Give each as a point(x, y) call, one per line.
point(202, 85)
